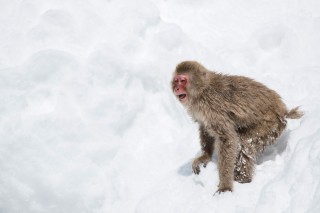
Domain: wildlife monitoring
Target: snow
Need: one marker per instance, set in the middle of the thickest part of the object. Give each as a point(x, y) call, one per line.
point(88, 122)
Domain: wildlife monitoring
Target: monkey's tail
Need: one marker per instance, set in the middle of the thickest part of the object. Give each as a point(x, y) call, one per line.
point(295, 113)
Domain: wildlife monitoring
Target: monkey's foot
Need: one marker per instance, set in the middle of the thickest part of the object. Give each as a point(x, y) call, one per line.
point(242, 178)
point(223, 190)
point(198, 161)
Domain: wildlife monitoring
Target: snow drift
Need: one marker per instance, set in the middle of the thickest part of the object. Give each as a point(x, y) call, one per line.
point(89, 124)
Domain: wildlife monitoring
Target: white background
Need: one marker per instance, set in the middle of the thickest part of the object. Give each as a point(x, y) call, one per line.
point(88, 122)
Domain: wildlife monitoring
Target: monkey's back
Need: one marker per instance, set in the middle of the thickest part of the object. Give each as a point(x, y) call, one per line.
point(244, 100)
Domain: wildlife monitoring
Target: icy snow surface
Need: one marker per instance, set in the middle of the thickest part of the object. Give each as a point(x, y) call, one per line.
point(88, 122)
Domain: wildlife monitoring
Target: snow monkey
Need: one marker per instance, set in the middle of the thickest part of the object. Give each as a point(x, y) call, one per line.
point(237, 116)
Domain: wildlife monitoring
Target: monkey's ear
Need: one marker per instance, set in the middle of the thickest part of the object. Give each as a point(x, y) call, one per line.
point(202, 71)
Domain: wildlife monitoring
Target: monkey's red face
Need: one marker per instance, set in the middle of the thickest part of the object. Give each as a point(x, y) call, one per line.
point(179, 84)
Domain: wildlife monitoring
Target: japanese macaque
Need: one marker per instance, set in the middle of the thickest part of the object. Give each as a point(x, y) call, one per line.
point(237, 116)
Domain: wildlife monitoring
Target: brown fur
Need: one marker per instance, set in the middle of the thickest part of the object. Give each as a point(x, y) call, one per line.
point(237, 115)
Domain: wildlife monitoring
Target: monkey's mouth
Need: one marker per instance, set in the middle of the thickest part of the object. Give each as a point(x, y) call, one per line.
point(182, 97)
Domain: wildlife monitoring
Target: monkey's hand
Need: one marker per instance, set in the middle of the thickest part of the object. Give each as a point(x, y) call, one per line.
point(203, 159)
point(221, 191)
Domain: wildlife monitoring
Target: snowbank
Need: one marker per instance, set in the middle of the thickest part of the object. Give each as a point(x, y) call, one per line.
point(88, 122)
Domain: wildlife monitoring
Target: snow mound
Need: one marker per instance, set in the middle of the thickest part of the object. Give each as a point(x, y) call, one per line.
point(88, 122)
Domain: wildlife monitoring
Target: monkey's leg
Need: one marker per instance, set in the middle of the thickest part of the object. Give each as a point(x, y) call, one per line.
point(227, 154)
point(268, 131)
point(265, 133)
point(207, 147)
point(253, 140)
point(244, 167)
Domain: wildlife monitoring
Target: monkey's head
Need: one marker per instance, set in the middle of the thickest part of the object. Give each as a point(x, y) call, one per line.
point(189, 80)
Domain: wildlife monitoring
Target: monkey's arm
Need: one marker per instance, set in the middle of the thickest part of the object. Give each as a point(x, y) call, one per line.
point(207, 147)
point(227, 149)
